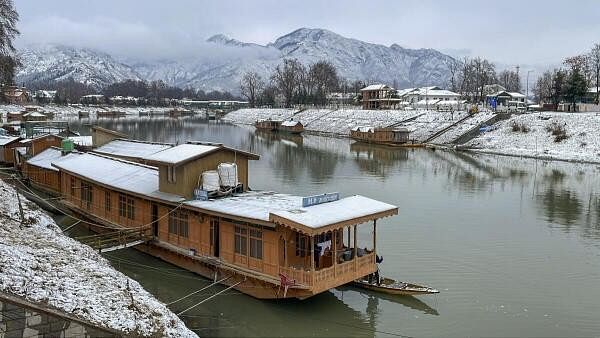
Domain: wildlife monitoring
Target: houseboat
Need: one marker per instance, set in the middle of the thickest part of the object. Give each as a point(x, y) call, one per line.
point(265, 244)
point(291, 126)
point(387, 136)
point(110, 113)
point(267, 125)
point(179, 112)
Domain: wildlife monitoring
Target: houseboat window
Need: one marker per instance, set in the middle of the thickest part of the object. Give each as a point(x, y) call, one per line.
point(86, 194)
point(72, 186)
point(301, 244)
point(126, 207)
point(171, 174)
point(107, 201)
point(178, 223)
point(256, 243)
point(241, 240)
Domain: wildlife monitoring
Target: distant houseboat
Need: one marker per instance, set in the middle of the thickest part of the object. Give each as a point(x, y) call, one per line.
point(265, 244)
point(268, 125)
point(291, 126)
point(389, 136)
point(110, 113)
point(179, 112)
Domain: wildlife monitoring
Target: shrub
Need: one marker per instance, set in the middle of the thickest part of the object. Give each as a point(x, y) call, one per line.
point(558, 131)
point(519, 127)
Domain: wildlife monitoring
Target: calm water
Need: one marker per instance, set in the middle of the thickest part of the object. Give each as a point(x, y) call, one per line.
point(513, 244)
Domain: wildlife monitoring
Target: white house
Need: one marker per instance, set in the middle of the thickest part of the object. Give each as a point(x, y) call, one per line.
point(427, 95)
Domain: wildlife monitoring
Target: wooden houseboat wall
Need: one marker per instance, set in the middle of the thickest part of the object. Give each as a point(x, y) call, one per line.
point(101, 136)
point(7, 149)
point(380, 135)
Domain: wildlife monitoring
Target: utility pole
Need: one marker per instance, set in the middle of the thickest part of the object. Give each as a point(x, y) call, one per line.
point(527, 90)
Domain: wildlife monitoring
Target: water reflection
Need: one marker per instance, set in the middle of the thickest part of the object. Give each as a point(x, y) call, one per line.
point(377, 160)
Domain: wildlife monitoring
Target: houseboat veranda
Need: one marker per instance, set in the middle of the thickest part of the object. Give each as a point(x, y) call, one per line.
point(265, 244)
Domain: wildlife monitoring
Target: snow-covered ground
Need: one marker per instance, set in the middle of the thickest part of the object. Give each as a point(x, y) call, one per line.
point(582, 144)
point(460, 129)
point(40, 264)
point(249, 116)
point(431, 122)
point(335, 121)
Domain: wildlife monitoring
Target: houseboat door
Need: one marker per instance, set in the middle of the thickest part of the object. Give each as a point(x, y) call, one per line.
point(214, 236)
point(154, 220)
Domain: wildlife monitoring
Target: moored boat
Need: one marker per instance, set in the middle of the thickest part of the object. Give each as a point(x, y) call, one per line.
point(270, 125)
point(291, 126)
point(393, 287)
point(387, 135)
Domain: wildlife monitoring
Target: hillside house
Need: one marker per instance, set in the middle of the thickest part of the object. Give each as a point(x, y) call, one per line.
point(15, 94)
point(379, 96)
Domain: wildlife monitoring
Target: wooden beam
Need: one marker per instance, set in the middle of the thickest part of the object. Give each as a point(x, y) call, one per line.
point(334, 244)
point(355, 250)
point(312, 259)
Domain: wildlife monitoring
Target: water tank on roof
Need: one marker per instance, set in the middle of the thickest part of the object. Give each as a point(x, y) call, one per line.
point(210, 180)
point(228, 174)
point(67, 145)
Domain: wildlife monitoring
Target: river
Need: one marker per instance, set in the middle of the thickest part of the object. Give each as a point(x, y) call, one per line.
point(512, 244)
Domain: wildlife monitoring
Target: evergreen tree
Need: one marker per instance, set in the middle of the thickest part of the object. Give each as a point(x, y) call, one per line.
point(8, 31)
point(575, 87)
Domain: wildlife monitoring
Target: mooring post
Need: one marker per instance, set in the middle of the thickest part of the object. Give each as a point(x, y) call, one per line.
point(20, 207)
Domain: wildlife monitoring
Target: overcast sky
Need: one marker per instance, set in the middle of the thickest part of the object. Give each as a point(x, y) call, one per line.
point(510, 32)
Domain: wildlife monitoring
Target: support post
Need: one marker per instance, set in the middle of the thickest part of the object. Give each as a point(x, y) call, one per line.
point(375, 237)
point(355, 251)
point(312, 253)
point(348, 237)
point(334, 258)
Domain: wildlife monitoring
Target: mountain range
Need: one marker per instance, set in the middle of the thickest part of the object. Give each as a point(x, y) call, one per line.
point(225, 60)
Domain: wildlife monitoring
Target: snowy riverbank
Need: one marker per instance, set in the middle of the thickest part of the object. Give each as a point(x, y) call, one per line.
point(422, 124)
point(531, 135)
point(43, 266)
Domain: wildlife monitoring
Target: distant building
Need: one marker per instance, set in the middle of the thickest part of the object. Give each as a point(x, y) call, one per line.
point(15, 95)
point(44, 96)
point(93, 99)
point(425, 95)
point(379, 96)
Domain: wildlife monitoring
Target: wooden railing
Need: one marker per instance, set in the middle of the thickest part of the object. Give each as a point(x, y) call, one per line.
point(333, 275)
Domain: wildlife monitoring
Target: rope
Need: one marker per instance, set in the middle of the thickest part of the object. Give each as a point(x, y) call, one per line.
point(213, 296)
point(195, 292)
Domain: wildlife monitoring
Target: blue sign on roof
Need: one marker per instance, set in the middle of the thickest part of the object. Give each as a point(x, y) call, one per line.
point(320, 199)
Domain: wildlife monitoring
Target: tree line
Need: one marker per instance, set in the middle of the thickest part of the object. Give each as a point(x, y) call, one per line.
point(147, 93)
point(293, 82)
point(572, 82)
point(472, 78)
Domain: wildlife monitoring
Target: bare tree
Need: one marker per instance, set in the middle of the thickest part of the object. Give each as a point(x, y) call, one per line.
point(325, 79)
point(594, 58)
point(286, 79)
point(543, 87)
point(251, 85)
point(510, 80)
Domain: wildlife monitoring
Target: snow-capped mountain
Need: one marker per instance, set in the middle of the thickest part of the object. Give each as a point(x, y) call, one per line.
point(224, 60)
point(49, 62)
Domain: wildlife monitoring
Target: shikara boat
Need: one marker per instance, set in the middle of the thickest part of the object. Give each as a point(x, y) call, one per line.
point(394, 287)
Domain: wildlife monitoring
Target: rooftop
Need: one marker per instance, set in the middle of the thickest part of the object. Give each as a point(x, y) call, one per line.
point(283, 208)
point(4, 140)
point(377, 87)
point(118, 174)
point(49, 156)
point(183, 153)
point(131, 148)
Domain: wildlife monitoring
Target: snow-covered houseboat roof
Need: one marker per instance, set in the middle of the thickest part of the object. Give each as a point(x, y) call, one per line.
point(119, 174)
point(5, 140)
point(190, 151)
point(131, 148)
point(46, 158)
point(287, 210)
point(377, 87)
point(290, 123)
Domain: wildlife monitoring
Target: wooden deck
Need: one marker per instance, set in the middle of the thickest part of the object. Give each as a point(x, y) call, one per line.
point(115, 240)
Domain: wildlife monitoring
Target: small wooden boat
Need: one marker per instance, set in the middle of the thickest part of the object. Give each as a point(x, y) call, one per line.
point(394, 287)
